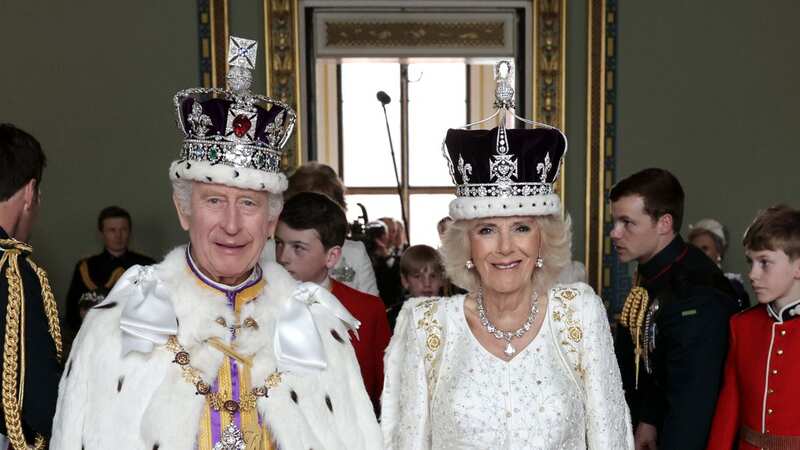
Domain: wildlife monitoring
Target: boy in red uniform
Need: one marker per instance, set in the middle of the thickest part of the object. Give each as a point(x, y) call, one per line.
point(308, 243)
point(758, 404)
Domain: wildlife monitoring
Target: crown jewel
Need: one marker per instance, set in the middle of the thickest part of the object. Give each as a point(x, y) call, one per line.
point(504, 171)
point(233, 128)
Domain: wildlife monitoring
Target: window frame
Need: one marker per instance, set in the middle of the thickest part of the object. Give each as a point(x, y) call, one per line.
point(401, 146)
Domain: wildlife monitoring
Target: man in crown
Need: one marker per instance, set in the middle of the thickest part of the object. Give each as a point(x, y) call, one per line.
point(213, 348)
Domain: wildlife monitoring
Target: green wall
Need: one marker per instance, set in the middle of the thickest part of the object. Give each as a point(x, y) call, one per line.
point(93, 81)
point(575, 161)
point(709, 90)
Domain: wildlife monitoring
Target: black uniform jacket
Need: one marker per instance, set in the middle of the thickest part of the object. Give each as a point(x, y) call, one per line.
point(42, 369)
point(695, 303)
point(103, 270)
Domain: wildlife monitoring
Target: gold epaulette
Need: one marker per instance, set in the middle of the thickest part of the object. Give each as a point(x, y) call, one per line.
point(14, 342)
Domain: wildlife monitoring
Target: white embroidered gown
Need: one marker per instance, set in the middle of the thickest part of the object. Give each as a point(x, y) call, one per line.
point(473, 400)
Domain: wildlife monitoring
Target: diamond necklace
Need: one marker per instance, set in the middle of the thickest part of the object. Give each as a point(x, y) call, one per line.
point(507, 336)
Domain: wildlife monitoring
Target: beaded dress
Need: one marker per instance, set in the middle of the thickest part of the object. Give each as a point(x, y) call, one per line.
point(562, 391)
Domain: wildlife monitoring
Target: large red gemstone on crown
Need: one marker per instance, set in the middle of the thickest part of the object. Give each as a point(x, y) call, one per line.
point(241, 125)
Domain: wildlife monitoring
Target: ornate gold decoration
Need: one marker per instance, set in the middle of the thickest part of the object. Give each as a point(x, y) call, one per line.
point(14, 342)
point(549, 58)
point(572, 328)
point(632, 317)
point(575, 333)
point(50, 309)
point(247, 400)
point(600, 139)
point(283, 67)
point(455, 35)
point(430, 324)
point(274, 379)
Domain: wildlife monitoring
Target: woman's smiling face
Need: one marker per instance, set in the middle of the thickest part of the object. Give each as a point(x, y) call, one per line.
point(504, 250)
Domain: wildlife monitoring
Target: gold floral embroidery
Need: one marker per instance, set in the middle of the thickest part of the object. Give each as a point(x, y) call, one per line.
point(572, 328)
point(433, 342)
point(575, 333)
point(430, 324)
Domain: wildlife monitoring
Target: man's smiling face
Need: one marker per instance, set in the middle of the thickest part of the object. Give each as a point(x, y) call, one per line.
point(228, 228)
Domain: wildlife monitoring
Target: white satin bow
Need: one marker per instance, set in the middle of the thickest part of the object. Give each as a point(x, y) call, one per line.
point(298, 345)
point(148, 318)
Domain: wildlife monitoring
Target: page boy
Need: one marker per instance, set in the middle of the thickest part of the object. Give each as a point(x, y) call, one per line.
point(757, 407)
point(308, 243)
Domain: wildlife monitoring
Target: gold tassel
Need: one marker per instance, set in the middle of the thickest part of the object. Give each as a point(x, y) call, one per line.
point(632, 318)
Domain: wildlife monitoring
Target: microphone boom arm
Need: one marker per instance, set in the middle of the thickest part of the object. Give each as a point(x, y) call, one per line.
point(394, 165)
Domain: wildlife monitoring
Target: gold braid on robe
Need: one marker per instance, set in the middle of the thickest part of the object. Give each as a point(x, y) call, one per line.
point(14, 342)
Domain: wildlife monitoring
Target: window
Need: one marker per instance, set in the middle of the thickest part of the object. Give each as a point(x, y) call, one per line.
point(430, 96)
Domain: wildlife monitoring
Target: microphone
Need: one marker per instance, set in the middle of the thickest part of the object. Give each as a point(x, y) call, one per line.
point(384, 98)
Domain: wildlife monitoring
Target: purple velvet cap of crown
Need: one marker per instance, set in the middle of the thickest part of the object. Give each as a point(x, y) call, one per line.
point(217, 110)
point(505, 172)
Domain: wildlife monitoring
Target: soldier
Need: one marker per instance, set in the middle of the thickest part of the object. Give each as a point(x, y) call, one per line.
point(97, 274)
point(29, 319)
point(759, 395)
point(674, 335)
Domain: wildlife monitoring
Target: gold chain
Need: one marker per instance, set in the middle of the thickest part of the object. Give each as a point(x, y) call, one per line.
point(218, 403)
point(50, 309)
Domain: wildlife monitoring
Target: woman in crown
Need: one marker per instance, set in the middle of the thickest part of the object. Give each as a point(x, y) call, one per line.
point(214, 348)
point(519, 362)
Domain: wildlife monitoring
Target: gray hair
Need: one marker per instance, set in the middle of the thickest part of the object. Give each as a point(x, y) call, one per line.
point(555, 250)
point(182, 190)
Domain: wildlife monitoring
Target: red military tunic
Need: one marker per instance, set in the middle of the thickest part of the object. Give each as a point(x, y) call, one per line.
point(760, 390)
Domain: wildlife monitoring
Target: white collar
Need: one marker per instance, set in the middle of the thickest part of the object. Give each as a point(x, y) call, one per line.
point(789, 311)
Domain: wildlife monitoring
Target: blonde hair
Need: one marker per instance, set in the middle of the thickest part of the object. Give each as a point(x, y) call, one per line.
point(555, 249)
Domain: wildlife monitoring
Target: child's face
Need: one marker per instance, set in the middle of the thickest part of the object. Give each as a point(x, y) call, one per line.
point(302, 254)
point(773, 275)
point(423, 283)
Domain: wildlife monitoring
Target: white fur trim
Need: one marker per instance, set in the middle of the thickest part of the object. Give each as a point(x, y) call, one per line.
point(205, 172)
point(136, 401)
point(465, 208)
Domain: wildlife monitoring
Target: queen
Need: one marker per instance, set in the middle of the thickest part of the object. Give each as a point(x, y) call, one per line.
point(519, 362)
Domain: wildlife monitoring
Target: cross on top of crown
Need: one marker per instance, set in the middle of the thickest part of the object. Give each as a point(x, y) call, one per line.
point(242, 53)
point(504, 91)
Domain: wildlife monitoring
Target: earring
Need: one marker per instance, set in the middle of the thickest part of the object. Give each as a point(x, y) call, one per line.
point(539, 262)
point(469, 264)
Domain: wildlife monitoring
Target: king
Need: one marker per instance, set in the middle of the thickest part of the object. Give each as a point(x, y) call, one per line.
point(213, 348)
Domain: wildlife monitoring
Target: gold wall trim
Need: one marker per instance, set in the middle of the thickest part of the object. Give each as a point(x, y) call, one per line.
point(218, 10)
point(595, 138)
point(454, 35)
point(282, 56)
point(549, 30)
point(447, 32)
